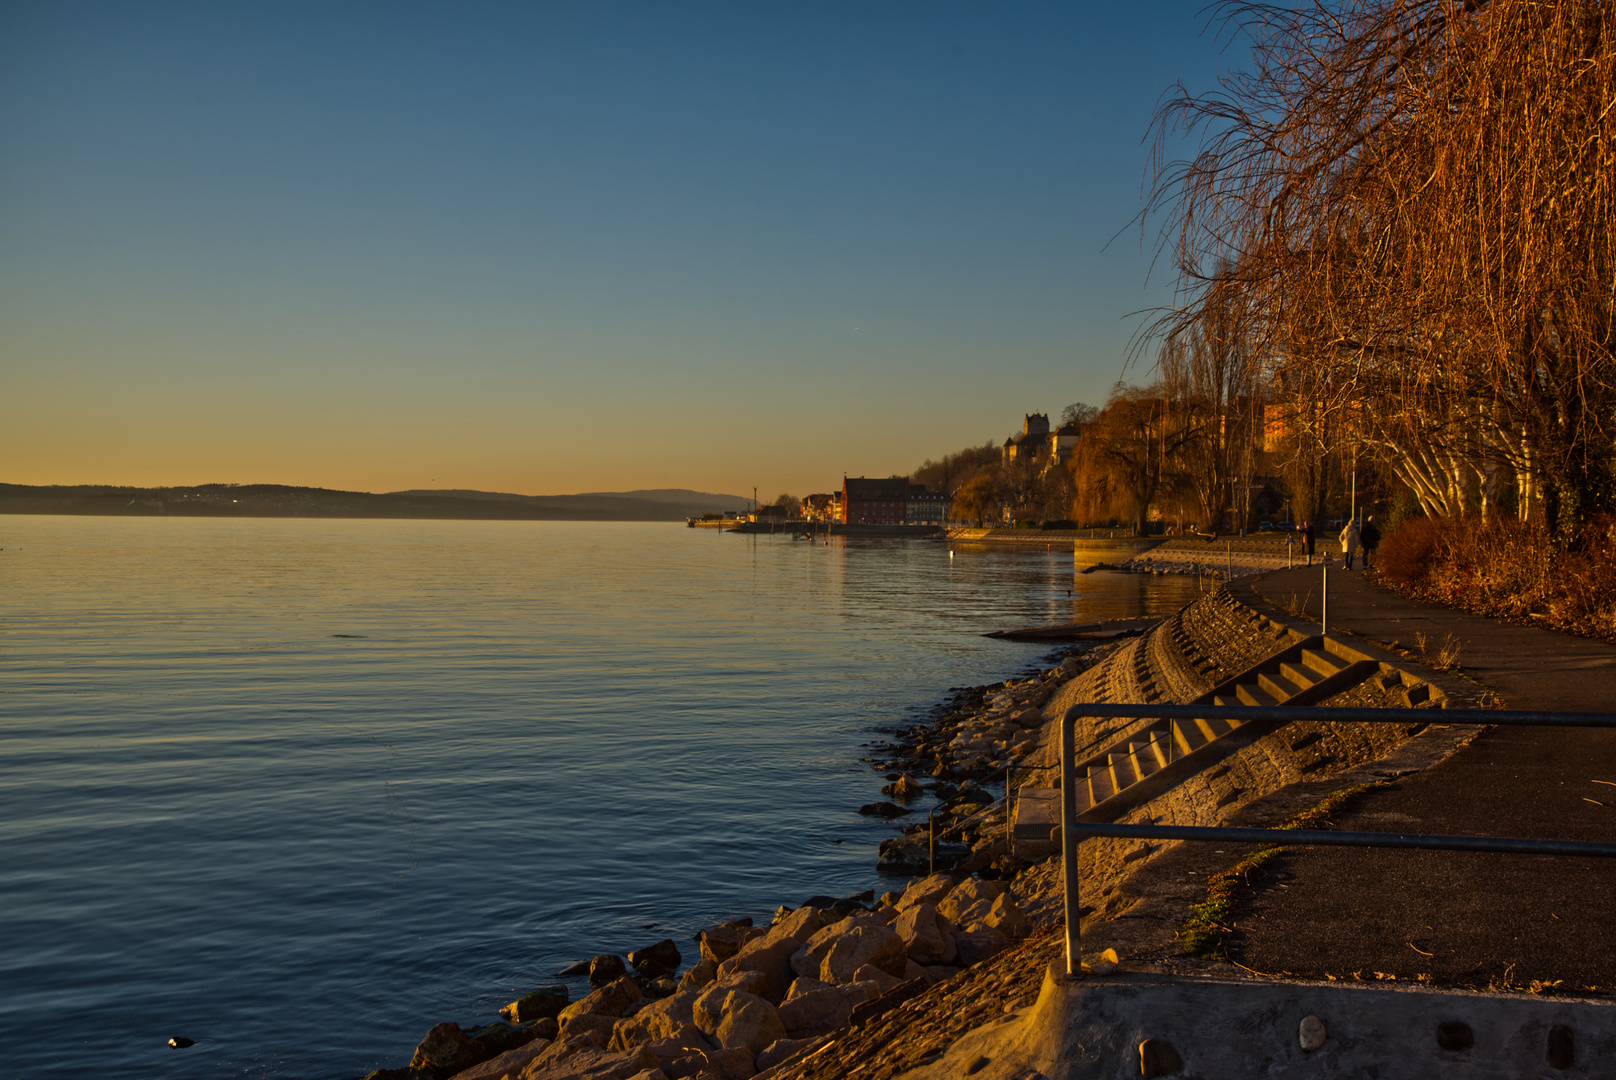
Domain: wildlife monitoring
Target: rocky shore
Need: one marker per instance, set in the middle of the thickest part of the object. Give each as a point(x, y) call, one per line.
point(756, 997)
point(871, 986)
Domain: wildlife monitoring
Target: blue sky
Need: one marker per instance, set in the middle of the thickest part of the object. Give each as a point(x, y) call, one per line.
point(565, 247)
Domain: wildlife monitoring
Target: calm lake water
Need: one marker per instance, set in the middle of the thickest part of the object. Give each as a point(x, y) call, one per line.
point(301, 789)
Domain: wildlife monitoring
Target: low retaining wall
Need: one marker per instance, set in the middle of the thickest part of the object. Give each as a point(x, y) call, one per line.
point(1217, 557)
point(1143, 1025)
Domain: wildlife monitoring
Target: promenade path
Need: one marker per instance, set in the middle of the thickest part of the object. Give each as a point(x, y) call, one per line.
point(1452, 917)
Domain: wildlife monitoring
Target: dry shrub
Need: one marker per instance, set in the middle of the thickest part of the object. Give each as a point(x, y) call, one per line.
point(1405, 555)
point(1508, 569)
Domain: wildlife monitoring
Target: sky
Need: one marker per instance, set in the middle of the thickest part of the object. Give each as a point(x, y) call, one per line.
point(561, 247)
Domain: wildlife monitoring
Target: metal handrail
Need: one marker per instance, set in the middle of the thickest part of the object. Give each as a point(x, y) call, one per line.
point(1073, 830)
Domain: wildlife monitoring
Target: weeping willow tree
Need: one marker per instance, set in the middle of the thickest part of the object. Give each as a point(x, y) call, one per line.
point(1411, 204)
point(1211, 371)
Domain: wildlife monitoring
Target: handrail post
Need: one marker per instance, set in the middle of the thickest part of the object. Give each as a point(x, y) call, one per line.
point(1324, 599)
point(1068, 761)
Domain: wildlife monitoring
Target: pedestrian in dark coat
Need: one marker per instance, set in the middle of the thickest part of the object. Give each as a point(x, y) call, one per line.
point(1369, 537)
point(1308, 536)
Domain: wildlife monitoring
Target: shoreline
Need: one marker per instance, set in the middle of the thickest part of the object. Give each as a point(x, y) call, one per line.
point(969, 740)
point(509, 1048)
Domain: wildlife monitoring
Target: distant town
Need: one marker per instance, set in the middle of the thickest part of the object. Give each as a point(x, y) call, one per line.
point(1152, 459)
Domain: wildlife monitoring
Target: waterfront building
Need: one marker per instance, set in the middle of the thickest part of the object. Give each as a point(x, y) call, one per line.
point(926, 507)
point(875, 502)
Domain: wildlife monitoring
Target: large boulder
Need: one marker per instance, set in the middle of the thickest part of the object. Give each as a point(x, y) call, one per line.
point(545, 1001)
point(969, 901)
point(814, 1012)
point(700, 974)
point(865, 943)
point(723, 941)
point(591, 1064)
point(708, 1006)
point(595, 1028)
point(771, 953)
point(605, 968)
point(804, 985)
point(748, 1021)
point(446, 1050)
point(664, 953)
point(671, 1017)
point(613, 999)
point(869, 973)
point(927, 890)
point(498, 1037)
point(806, 960)
point(925, 935)
point(815, 1008)
point(1005, 917)
point(506, 1066)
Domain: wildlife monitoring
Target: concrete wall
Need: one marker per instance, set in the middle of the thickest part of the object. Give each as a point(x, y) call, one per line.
point(1141, 1025)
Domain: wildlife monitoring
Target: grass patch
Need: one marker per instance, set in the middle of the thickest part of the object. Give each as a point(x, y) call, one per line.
point(1202, 933)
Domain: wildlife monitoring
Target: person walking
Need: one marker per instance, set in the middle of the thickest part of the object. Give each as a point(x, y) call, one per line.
point(1308, 536)
point(1349, 541)
point(1369, 537)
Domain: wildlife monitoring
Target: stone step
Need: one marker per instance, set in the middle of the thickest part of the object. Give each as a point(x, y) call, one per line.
point(1100, 786)
point(1188, 737)
point(1143, 761)
point(1159, 747)
point(1211, 729)
point(1279, 686)
point(1122, 771)
point(1300, 674)
point(1254, 695)
point(1322, 662)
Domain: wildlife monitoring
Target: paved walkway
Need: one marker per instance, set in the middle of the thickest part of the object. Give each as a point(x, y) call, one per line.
point(1454, 917)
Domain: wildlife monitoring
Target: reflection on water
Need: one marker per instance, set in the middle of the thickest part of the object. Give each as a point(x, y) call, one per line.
point(300, 789)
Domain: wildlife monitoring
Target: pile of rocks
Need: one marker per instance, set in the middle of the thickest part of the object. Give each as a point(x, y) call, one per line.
point(983, 732)
point(757, 997)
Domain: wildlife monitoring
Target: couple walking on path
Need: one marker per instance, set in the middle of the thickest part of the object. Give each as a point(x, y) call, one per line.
point(1352, 538)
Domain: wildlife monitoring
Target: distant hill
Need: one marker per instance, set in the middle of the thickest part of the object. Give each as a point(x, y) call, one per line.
point(698, 502)
point(279, 500)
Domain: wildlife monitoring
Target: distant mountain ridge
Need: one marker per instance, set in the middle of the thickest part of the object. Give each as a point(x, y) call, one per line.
point(709, 502)
point(280, 500)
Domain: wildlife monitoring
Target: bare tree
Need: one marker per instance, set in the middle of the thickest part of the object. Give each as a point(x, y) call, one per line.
point(1411, 204)
point(1210, 371)
point(1128, 455)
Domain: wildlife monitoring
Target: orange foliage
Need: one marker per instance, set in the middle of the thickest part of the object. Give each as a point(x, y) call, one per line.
point(1508, 569)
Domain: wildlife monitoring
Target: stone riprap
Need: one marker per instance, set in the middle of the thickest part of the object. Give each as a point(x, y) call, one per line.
point(778, 991)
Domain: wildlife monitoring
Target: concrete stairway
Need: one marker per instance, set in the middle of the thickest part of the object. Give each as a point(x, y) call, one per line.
point(1163, 753)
